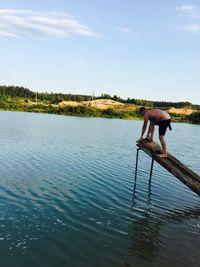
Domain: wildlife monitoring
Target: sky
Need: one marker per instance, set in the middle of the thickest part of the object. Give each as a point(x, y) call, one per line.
point(131, 48)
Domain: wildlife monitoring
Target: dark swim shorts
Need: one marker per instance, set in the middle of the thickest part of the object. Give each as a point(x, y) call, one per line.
point(163, 126)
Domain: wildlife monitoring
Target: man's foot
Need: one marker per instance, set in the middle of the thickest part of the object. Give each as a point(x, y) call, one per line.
point(162, 155)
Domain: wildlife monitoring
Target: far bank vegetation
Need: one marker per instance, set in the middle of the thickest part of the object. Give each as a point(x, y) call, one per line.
point(22, 99)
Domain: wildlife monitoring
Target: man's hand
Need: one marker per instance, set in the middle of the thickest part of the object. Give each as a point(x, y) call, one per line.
point(149, 138)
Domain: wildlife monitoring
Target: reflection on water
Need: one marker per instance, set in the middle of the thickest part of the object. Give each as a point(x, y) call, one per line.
point(145, 231)
point(68, 198)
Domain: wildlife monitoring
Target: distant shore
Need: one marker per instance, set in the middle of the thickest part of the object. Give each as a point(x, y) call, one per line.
point(103, 108)
point(16, 98)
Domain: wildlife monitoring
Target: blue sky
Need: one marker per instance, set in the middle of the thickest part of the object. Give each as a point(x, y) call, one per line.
point(132, 48)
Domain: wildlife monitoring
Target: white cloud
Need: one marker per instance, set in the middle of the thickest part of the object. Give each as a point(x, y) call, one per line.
point(193, 28)
point(7, 34)
point(192, 14)
point(28, 23)
point(188, 11)
point(185, 8)
point(124, 30)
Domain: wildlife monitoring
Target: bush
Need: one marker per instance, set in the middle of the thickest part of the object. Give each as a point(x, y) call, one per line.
point(194, 117)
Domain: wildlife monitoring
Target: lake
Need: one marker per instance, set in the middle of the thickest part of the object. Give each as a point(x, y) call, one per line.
point(67, 195)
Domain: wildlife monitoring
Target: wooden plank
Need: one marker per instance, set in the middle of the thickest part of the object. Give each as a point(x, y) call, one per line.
point(173, 165)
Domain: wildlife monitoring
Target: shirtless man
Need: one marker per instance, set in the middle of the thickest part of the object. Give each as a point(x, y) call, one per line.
point(156, 117)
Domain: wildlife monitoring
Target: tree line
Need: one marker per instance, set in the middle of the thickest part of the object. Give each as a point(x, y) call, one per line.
point(54, 98)
point(19, 91)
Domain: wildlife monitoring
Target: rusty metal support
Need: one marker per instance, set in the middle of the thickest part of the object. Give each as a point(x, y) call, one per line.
point(151, 171)
point(136, 165)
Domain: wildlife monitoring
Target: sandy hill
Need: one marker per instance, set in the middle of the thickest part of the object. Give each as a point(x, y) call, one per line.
point(104, 103)
point(69, 103)
point(115, 105)
point(99, 104)
point(181, 111)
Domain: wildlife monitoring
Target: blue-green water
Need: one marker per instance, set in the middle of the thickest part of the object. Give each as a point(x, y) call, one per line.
point(67, 199)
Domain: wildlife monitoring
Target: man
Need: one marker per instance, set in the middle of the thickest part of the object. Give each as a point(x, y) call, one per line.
point(156, 117)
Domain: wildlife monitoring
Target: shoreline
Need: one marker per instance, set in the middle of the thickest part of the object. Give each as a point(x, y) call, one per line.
point(71, 114)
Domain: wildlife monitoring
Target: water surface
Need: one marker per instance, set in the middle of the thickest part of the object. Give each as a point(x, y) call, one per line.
point(68, 199)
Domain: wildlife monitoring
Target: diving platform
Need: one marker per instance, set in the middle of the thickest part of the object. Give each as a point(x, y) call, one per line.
point(171, 164)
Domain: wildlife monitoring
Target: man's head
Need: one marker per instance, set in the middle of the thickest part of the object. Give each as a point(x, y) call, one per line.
point(142, 111)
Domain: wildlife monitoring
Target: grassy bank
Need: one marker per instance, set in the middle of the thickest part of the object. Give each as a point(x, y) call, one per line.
point(96, 108)
point(82, 109)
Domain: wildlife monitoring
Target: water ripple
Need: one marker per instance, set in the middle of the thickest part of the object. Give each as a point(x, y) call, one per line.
point(68, 199)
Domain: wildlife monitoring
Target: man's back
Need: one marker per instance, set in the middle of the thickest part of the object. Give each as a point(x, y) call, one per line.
point(157, 115)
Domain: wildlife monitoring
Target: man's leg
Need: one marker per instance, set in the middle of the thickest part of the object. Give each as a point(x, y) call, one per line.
point(163, 144)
